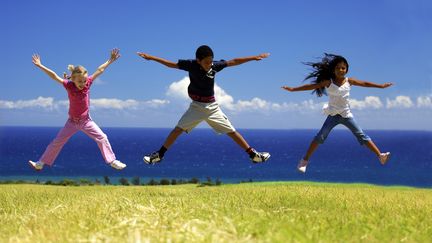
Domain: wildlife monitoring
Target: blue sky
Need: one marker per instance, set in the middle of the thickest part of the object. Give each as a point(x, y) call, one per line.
point(384, 41)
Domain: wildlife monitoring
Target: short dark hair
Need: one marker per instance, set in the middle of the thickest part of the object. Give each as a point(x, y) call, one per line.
point(203, 52)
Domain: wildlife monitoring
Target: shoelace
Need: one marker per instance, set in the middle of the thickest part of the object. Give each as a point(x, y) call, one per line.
point(261, 156)
point(153, 157)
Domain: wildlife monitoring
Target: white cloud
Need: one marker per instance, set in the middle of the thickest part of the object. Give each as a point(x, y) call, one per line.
point(105, 103)
point(64, 103)
point(155, 103)
point(372, 102)
point(48, 103)
point(223, 98)
point(400, 102)
point(179, 89)
point(306, 105)
point(424, 102)
point(39, 102)
point(131, 104)
point(254, 104)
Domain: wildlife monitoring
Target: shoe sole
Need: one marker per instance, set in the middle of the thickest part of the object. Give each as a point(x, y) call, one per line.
point(34, 168)
point(300, 170)
point(267, 158)
point(146, 161)
point(118, 168)
point(149, 162)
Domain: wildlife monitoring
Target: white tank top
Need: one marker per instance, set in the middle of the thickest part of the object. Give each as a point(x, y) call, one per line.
point(338, 100)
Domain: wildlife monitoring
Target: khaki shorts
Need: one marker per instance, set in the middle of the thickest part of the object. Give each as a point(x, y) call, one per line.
point(209, 112)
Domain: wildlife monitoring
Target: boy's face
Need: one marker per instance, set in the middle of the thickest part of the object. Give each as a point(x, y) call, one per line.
point(205, 63)
point(340, 70)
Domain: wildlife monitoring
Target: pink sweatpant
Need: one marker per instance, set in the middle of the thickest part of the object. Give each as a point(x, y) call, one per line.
point(71, 127)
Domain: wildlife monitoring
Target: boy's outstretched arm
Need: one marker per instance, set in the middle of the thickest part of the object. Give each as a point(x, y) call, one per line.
point(307, 86)
point(158, 59)
point(357, 82)
point(115, 54)
point(241, 60)
point(37, 61)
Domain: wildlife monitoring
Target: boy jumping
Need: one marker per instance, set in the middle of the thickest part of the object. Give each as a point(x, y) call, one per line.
point(204, 107)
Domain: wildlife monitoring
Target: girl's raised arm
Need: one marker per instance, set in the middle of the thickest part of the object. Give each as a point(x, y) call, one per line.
point(307, 86)
point(115, 54)
point(37, 61)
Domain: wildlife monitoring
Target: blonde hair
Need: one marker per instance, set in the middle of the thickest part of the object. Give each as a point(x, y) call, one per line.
point(78, 69)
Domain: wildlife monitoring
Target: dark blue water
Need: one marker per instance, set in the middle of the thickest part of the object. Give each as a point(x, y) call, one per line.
point(203, 154)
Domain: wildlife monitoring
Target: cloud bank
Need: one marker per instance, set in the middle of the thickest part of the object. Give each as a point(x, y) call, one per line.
point(48, 103)
point(177, 93)
point(178, 90)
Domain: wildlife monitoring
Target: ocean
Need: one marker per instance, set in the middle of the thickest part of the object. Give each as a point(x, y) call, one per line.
point(202, 154)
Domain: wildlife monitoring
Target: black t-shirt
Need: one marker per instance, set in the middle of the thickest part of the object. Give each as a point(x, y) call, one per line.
point(201, 82)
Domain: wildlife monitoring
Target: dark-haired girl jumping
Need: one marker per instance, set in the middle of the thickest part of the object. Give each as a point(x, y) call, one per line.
point(328, 77)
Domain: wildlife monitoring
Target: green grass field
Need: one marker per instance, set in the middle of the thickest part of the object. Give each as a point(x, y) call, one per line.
point(252, 212)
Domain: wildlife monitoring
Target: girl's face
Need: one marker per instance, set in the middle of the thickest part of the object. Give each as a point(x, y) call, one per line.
point(340, 70)
point(79, 80)
point(206, 63)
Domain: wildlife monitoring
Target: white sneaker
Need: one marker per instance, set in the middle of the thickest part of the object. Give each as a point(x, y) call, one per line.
point(384, 157)
point(259, 157)
point(152, 158)
point(38, 165)
point(116, 164)
point(302, 165)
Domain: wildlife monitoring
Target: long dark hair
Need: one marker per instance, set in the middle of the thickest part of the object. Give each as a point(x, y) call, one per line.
point(324, 70)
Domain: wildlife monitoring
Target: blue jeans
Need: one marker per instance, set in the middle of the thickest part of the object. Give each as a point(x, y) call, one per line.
point(332, 121)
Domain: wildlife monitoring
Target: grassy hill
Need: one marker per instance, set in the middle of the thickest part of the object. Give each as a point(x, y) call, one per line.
point(252, 212)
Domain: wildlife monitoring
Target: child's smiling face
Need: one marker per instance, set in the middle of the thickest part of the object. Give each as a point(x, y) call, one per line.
point(340, 70)
point(206, 63)
point(79, 80)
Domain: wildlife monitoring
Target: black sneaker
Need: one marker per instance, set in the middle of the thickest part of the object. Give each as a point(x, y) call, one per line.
point(152, 158)
point(260, 157)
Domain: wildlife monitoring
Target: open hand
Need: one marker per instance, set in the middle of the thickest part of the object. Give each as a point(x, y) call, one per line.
point(288, 88)
point(65, 76)
point(385, 85)
point(262, 56)
point(144, 55)
point(115, 54)
point(36, 59)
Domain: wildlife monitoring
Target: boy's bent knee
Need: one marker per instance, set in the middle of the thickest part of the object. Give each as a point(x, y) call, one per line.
point(178, 130)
